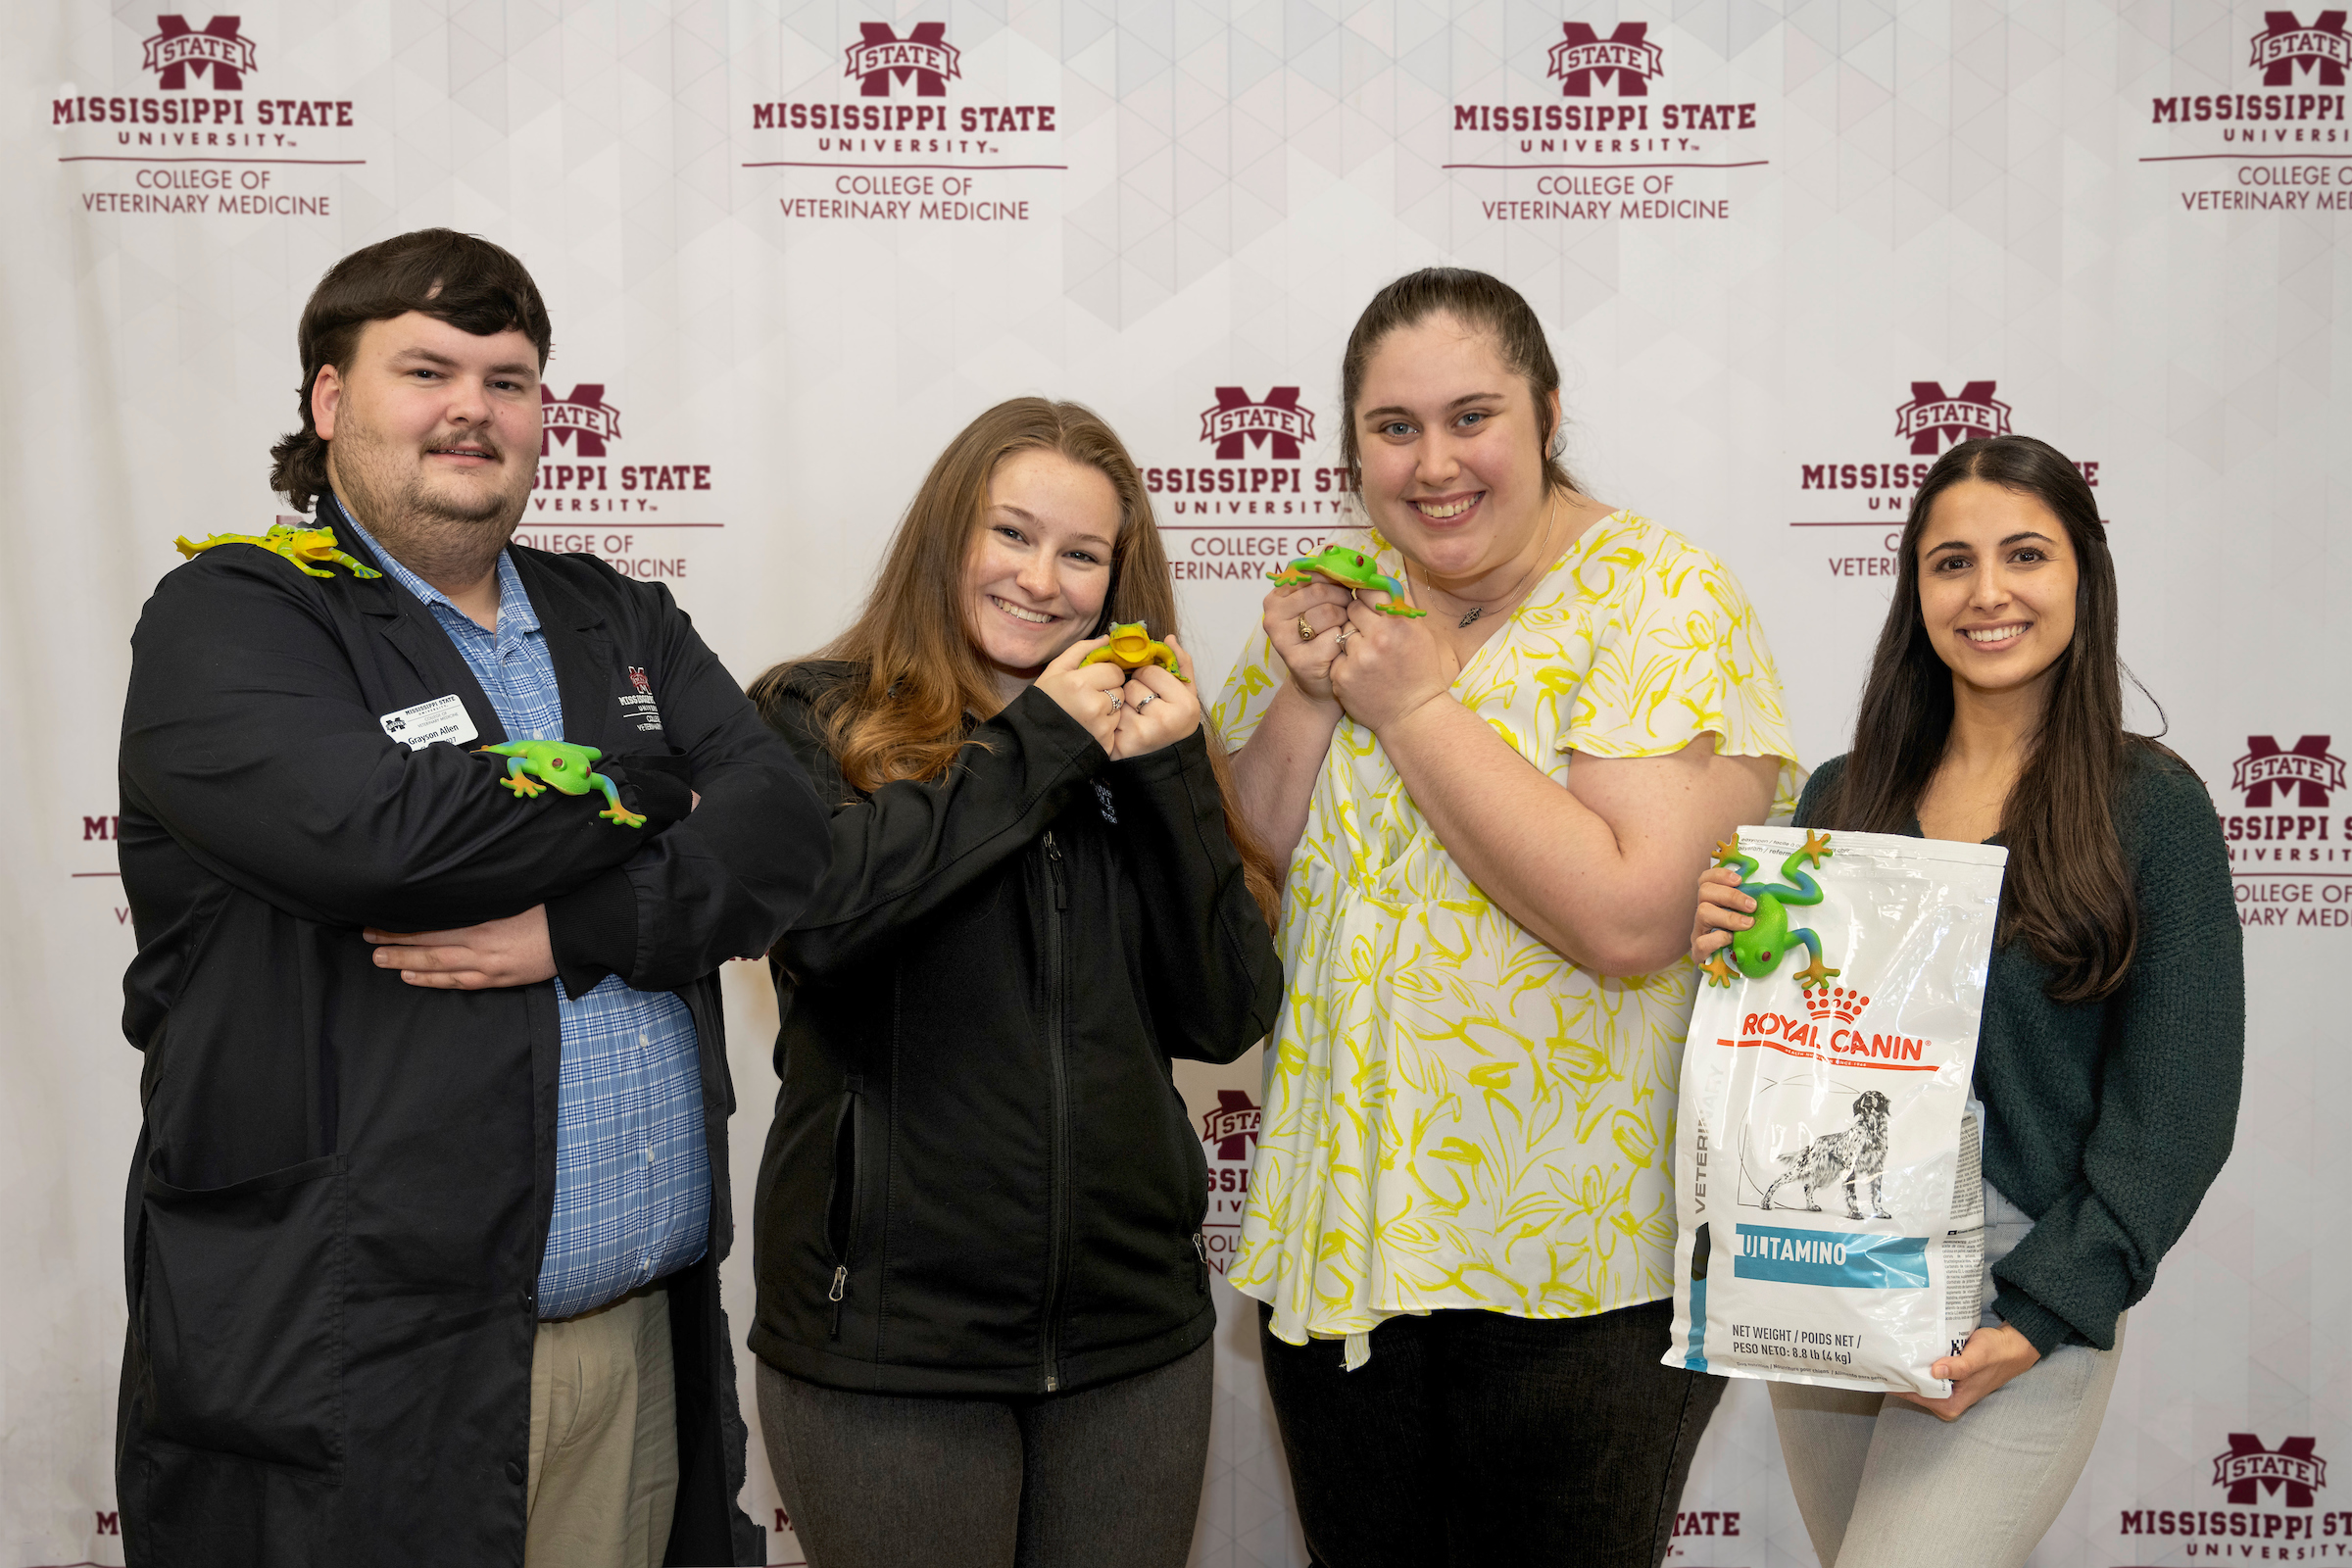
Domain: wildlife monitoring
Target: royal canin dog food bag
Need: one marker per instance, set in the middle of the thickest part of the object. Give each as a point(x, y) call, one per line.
point(1826, 1151)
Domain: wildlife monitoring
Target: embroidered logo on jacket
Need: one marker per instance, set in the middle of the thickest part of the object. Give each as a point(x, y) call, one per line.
point(638, 703)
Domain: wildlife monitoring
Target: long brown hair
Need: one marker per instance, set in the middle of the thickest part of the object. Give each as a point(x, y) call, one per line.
point(904, 714)
point(2068, 894)
point(1480, 301)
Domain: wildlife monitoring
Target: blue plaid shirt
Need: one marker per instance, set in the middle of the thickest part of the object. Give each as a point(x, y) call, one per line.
point(632, 1170)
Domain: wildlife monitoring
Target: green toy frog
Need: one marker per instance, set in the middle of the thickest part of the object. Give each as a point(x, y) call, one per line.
point(569, 768)
point(1131, 648)
point(1759, 948)
point(301, 546)
point(1350, 568)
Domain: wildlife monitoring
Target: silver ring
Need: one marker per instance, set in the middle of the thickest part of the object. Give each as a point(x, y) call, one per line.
point(1145, 701)
point(1117, 703)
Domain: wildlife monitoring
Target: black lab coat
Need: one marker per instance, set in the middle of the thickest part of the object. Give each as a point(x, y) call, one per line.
point(342, 1185)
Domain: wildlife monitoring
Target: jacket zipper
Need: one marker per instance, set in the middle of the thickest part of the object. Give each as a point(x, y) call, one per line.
point(1201, 1250)
point(845, 1125)
point(1060, 1179)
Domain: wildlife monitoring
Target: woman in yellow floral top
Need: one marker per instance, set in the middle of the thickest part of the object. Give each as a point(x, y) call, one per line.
point(1461, 1218)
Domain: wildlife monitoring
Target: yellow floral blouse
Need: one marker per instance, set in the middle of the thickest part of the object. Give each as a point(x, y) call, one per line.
point(1455, 1114)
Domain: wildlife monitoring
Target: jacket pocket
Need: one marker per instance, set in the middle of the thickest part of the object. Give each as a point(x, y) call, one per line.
point(840, 1202)
point(243, 1313)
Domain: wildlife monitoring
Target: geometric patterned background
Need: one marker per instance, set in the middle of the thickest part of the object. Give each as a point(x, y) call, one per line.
point(1137, 205)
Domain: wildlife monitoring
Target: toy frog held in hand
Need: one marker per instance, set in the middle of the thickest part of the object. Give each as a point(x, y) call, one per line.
point(1757, 951)
point(1131, 648)
point(1350, 568)
point(569, 769)
point(301, 546)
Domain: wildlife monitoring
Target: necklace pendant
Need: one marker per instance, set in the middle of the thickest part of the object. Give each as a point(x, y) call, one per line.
point(1473, 615)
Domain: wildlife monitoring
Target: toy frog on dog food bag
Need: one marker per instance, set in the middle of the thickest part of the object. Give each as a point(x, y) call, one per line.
point(1826, 1168)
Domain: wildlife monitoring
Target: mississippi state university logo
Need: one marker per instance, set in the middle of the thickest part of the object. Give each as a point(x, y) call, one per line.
point(1256, 484)
point(645, 688)
point(1227, 1137)
point(584, 421)
point(1929, 423)
point(576, 434)
point(2284, 853)
point(2290, 1472)
point(1232, 1128)
point(1933, 420)
point(2296, 110)
point(2285, 47)
point(1626, 58)
point(2303, 774)
point(2251, 1477)
point(924, 57)
point(1278, 425)
point(216, 52)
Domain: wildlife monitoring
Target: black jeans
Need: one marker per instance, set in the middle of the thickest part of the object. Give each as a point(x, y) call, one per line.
point(1108, 1477)
point(1475, 1439)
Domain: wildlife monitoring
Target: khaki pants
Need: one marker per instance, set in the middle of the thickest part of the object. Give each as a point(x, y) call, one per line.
point(603, 1438)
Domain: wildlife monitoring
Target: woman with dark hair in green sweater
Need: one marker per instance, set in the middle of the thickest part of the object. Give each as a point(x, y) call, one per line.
point(2114, 1030)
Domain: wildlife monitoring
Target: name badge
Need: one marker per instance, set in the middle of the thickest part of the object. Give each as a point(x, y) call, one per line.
point(441, 719)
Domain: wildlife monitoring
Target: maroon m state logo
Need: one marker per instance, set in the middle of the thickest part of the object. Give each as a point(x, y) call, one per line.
point(2306, 771)
point(1233, 1125)
point(584, 420)
point(1930, 416)
point(2285, 44)
point(177, 49)
point(1625, 56)
point(2249, 1468)
point(880, 55)
point(1237, 422)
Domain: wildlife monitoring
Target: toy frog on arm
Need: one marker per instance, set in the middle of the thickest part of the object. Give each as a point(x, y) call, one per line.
point(1758, 950)
point(1131, 648)
point(1350, 568)
point(301, 546)
point(569, 769)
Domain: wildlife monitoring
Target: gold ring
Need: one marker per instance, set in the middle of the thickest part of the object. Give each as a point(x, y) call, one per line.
point(1306, 633)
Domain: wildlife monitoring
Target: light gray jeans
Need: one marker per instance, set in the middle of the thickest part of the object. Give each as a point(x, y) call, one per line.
point(1882, 1484)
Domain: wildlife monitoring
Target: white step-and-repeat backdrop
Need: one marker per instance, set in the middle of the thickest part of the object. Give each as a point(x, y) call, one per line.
point(1786, 254)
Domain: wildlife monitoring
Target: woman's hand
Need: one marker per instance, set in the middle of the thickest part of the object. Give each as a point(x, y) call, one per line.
point(1161, 710)
point(1389, 665)
point(1091, 694)
point(1990, 1357)
point(1321, 606)
point(1722, 909)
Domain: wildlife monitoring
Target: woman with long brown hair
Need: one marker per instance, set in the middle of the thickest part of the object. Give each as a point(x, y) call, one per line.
point(984, 1312)
point(2112, 1039)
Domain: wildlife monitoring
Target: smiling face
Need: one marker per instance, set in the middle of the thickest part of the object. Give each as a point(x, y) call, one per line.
point(433, 438)
point(1996, 586)
point(1451, 441)
point(1040, 566)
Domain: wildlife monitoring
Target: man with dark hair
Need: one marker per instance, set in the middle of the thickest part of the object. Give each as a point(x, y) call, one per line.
point(426, 1213)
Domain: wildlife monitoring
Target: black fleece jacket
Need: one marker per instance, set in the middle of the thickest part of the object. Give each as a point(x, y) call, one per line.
point(981, 1179)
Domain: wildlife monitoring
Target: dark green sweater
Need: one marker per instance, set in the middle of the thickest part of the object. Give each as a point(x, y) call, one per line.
point(2107, 1120)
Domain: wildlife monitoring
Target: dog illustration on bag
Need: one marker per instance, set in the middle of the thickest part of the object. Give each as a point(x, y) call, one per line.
point(1847, 1155)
